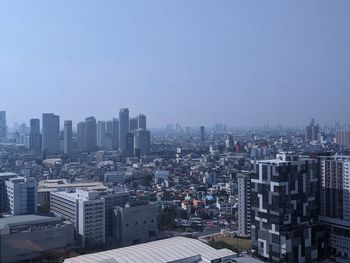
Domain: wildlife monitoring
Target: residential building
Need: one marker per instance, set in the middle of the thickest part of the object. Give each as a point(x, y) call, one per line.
point(343, 137)
point(68, 136)
point(35, 139)
point(3, 127)
point(284, 209)
point(142, 142)
point(243, 182)
point(124, 128)
point(142, 121)
point(91, 133)
point(335, 202)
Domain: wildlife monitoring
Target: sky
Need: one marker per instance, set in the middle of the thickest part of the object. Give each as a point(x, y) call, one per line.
point(193, 62)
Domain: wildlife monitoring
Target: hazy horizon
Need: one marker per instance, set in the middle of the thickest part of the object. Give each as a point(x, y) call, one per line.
point(243, 63)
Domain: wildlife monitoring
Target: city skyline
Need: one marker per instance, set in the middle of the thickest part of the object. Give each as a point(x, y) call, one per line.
point(194, 63)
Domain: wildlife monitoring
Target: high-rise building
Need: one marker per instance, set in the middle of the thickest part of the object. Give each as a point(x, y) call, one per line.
point(35, 136)
point(284, 209)
point(68, 136)
point(202, 133)
point(133, 124)
point(243, 182)
point(21, 195)
point(311, 131)
point(343, 137)
point(51, 133)
point(81, 136)
point(129, 143)
point(84, 209)
point(91, 133)
point(101, 133)
point(124, 127)
point(4, 205)
point(3, 130)
point(141, 119)
point(115, 133)
point(335, 202)
point(142, 142)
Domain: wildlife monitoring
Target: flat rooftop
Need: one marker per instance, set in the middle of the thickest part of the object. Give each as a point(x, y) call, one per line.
point(168, 250)
point(53, 185)
point(25, 219)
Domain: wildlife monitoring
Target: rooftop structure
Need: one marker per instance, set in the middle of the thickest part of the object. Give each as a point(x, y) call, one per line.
point(176, 249)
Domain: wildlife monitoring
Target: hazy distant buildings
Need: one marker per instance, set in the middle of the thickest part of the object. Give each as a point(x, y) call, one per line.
point(202, 133)
point(81, 136)
point(343, 137)
point(129, 143)
point(3, 130)
point(142, 142)
point(51, 133)
point(68, 136)
point(133, 124)
point(142, 121)
point(35, 139)
point(311, 131)
point(101, 133)
point(335, 202)
point(91, 133)
point(124, 127)
point(115, 133)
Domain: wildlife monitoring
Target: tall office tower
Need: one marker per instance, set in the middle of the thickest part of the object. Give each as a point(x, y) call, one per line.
point(91, 133)
point(142, 142)
point(243, 182)
point(109, 127)
point(84, 209)
point(133, 124)
point(115, 133)
point(202, 133)
point(123, 128)
point(51, 133)
point(335, 201)
point(3, 129)
point(81, 136)
point(68, 136)
point(129, 146)
point(101, 133)
point(21, 195)
point(141, 121)
point(229, 143)
point(35, 136)
point(311, 131)
point(343, 137)
point(284, 209)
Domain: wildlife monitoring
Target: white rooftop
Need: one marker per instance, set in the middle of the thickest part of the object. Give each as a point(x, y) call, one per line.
point(161, 251)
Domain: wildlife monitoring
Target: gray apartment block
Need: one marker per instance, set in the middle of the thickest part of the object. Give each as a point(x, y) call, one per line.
point(135, 224)
point(284, 209)
point(243, 181)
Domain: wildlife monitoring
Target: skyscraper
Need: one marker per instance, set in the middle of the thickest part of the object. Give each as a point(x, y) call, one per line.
point(284, 209)
point(81, 136)
point(68, 135)
point(124, 127)
point(202, 133)
point(335, 202)
point(133, 124)
point(91, 133)
point(3, 126)
point(142, 121)
point(142, 142)
point(311, 131)
point(51, 133)
point(129, 146)
point(243, 182)
point(115, 133)
point(101, 132)
point(35, 136)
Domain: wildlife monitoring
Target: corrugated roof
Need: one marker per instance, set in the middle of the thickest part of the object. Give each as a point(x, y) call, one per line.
point(167, 250)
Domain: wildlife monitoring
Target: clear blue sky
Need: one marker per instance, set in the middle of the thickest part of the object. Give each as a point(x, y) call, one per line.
point(192, 62)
